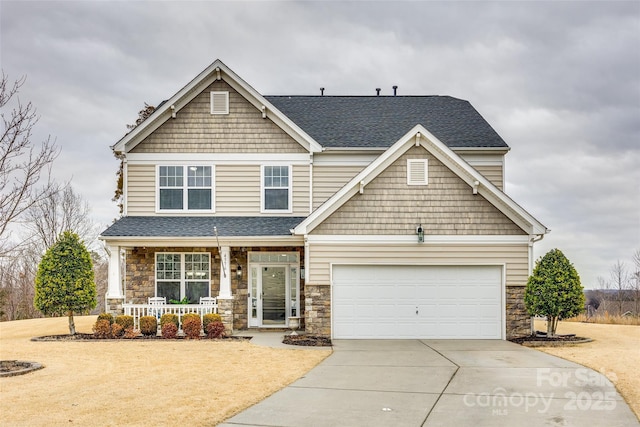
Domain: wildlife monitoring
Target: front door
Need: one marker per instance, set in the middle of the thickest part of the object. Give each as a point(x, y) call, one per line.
point(268, 295)
point(274, 299)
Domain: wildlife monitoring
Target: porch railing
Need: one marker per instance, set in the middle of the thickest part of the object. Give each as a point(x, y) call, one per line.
point(157, 310)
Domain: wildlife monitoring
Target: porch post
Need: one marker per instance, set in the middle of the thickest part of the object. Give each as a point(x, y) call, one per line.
point(225, 273)
point(114, 297)
point(225, 299)
point(114, 289)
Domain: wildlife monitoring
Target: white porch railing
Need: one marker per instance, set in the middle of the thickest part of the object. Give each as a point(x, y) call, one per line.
point(157, 310)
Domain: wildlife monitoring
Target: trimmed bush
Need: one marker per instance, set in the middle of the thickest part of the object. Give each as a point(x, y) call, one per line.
point(117, 330)
point(124, 321)
point(169, 330)
point(215, 330)
point(130, 333)
point(148, 325)
point(106, 316)
point(208, 318)
point(169, 318)
point(191, 325)
point(102, 329)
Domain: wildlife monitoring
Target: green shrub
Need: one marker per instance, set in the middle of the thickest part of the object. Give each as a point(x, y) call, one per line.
point(117, 330)
point(208, 318)
point(191, 325)
point(215, 330)
point(124, 321)
point(169, 318)
point(148, 325)
point(106, 316)
point(169, 330)
point(102, 329)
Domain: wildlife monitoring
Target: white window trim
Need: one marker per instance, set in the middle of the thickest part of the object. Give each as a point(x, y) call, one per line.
point(185, 187)
point(290, 188)
point(225, 94)
point(411, 163)
point(182, 280)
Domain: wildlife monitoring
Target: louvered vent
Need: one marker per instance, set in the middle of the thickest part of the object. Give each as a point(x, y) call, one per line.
point(219, 102)
point(417, 172)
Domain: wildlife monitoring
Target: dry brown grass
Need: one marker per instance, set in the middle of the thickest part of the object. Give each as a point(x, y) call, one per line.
point(607, 319)
point(118, 383)
point(615, 351)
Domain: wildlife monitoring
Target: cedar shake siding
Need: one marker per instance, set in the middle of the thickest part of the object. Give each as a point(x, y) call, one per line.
point(196, 130)
point(327, 180)
point(446, 206)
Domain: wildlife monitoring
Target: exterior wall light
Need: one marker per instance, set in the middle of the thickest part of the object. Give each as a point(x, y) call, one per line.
point(420, 233)
point(239, 272)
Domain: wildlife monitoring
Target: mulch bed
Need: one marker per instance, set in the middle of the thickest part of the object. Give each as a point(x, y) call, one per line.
point(307, 340)
point(10, 368)
point(540, 339)
point(92, 337)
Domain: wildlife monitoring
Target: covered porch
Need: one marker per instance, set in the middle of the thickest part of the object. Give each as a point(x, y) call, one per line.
point(255, 281)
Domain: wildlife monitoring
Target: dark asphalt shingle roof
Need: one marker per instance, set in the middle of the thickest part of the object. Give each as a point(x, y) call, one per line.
point(201, 226)
point(380, 121)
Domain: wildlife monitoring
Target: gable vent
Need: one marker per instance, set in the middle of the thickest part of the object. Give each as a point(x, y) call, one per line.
point(219, 102)
point(417, 172)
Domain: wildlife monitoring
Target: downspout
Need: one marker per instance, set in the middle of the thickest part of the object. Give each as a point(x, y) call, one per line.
point(310, 182)
point(533, 239)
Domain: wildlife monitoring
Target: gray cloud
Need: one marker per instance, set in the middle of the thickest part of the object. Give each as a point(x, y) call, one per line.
point(560, 81)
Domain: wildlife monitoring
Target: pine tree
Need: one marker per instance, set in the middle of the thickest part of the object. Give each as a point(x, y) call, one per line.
point(64, 281)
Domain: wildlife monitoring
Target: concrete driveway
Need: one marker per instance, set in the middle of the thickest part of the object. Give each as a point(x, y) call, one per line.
point(442, 383)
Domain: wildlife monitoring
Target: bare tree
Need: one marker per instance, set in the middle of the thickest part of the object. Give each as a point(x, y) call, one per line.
point(22, 163)
point(619, 279)
point(62, 210)
point(635, 281)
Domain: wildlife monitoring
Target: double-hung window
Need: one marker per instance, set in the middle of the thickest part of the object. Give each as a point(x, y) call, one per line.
point(185, 188)
point(276, 188)
point(180, 275)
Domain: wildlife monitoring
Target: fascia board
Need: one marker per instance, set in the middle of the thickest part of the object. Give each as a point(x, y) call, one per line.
point(197, 85)
point(487, 189)
point(352, 187)
point(449, 158)
point(131, 241)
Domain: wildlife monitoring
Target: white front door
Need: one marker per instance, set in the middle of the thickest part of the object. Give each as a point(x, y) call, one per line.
point(269, 295)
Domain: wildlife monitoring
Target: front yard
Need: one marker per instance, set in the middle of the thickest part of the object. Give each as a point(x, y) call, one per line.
point(615, 351)
point(115, 383)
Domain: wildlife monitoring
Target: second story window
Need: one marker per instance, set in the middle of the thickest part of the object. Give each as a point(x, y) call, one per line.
point(276, 188)
point(185, 188)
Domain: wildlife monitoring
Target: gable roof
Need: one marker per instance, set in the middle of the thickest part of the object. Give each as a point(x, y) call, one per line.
point(419, 135)
point(380, 121)
point(216, 71)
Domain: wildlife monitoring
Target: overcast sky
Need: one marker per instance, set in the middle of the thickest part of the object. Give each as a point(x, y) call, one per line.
point(559, 81)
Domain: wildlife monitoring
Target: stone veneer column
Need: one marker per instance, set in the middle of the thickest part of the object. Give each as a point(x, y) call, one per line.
point(518, 322)
point(317, 310)
point(225, 310)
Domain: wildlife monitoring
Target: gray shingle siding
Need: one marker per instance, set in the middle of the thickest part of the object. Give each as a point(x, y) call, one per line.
point(181, 226)
point(380, 121)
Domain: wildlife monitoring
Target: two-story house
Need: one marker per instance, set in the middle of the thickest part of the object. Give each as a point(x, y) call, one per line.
point(364, 216)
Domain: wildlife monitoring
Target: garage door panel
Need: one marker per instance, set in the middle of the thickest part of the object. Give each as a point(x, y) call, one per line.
point(417, 301)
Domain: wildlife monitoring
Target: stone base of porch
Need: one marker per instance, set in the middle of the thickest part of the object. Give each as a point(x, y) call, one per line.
point(225, 310)
point(114, 306)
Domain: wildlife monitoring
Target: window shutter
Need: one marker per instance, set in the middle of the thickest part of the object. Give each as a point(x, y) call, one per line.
point(417, 172)
point(219, 102)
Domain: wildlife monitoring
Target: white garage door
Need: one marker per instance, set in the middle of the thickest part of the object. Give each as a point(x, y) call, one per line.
point(382, 301)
